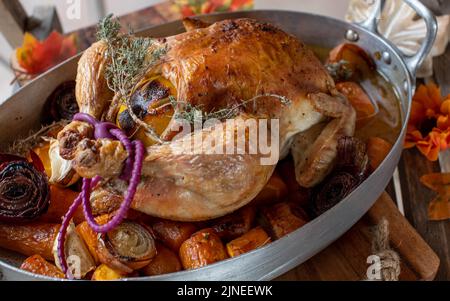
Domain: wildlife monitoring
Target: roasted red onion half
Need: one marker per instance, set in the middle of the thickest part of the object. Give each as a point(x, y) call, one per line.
point(351, 169)
point(61, 104)
point(128, 247)
point(24, 190)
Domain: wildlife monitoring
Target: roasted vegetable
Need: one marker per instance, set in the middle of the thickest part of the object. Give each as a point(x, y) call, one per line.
point(251, 240)
point(274, 191)
point(377, 150)
point(296, 193)
point(60, 201)
point(349, 62)
point(24, 191)
point(61, 171)
point(360, 101)
point(351, 169)
point(283, 218)
point(172, 233)
point(128, 247)
point(165, 261)
point(203, 248)
point(235, 224)
point(78, 257)
point(30, 239)
point(61, 104)
point(38, 265)
point(105, 273)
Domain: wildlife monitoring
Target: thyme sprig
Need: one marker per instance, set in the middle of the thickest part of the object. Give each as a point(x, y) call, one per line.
point(194, 114)
point(130, 59)
point(339, 71)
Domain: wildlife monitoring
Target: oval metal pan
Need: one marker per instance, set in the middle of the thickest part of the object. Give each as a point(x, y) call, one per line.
point(21, 113)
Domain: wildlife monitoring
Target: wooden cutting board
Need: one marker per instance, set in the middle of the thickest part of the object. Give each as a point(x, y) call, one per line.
point(346, 259)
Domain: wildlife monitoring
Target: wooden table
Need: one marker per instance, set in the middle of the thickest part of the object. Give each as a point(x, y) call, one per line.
point(412, 164)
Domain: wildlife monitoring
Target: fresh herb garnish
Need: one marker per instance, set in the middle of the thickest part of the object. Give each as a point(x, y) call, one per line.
point(339, 71)
point(194, 114)
point(131, 57)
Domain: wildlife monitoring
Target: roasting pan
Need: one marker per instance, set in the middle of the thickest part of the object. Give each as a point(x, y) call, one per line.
point(21, 113)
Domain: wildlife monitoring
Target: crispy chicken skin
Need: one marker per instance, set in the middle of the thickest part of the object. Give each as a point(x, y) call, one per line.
point(219, 66)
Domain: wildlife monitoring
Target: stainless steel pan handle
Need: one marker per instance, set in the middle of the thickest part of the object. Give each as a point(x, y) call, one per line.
point(412, 62)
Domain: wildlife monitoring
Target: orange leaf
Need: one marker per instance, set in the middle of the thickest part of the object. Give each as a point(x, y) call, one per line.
point(38, 56)
point(439, 208)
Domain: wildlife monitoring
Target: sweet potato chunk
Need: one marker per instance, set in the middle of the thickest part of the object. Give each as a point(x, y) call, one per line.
point(30, 239)
point(172, 233)
point(377, 150)
point(284, 218)
point(274, 191)
point(105, 273)
point(38, 265)
point(251, 240)
point(203, 248)
point(165, 261)
point(234, 225)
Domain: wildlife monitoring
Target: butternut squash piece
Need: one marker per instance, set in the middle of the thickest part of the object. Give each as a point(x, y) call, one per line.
point(172, 233)
point(105, 273)
point(165, 261)
point(275, 190)
point(284, 218)
point(38, 265)
point(251, 240)
point(203, 248)
point(235, 224)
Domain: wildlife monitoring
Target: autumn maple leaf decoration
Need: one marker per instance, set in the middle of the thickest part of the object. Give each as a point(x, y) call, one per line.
point(439, 207)
point(35, 56)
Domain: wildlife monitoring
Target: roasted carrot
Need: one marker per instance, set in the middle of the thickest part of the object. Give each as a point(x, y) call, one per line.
point(273, 191)
point(283, 218)
point(235, 224)
point(38, 265)
point(172, 233)
point(251, 240)
point(30, 239)
point(377, 150)
point(105, 273)
point(203, 248)
point(60, 201)
point(358, 98)
point(165, 261)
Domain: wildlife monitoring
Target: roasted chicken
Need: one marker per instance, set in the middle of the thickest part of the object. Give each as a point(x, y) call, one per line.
point(213, 67)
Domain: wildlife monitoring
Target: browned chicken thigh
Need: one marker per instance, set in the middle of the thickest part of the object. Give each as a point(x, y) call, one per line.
point(214, 67)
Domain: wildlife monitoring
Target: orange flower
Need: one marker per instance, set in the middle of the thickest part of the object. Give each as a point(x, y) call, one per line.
point(429, 122)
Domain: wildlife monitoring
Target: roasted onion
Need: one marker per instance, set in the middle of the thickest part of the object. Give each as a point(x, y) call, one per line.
point(128, 247)
point(62, 103)
point(351, 169)
point(24, 190)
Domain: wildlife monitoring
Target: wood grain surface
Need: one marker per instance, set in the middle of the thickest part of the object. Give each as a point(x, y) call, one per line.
point(346, 259)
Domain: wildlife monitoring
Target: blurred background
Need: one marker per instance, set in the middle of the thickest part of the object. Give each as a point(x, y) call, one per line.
point(73, 15)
